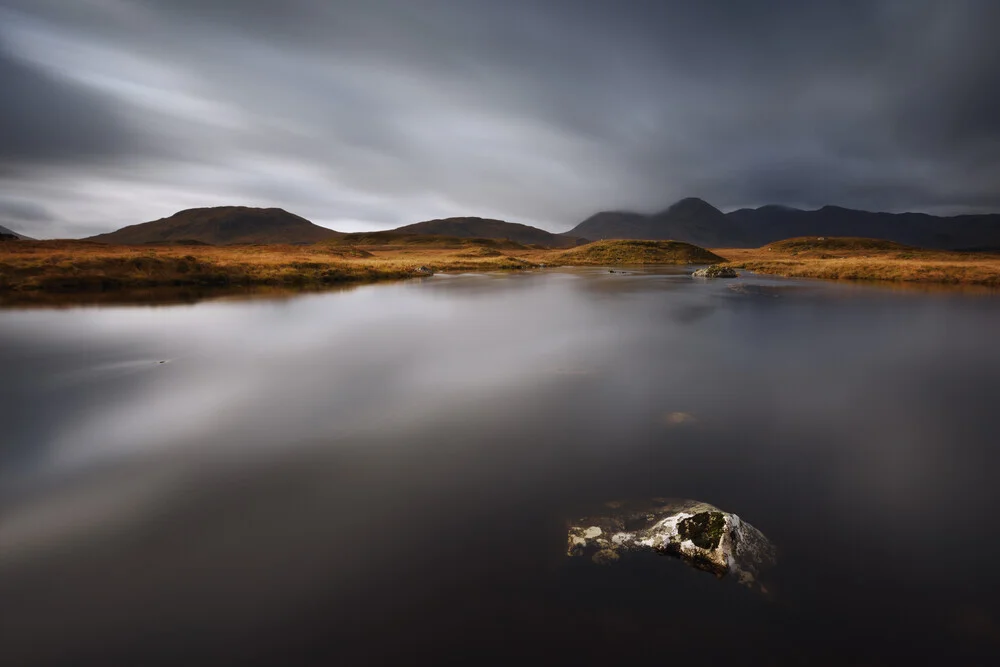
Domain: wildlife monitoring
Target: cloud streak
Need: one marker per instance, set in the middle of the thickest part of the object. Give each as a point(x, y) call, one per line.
point(364, 115)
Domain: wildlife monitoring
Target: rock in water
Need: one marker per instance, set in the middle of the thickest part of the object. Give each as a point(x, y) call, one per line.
point(699, 534)
point(715, 271)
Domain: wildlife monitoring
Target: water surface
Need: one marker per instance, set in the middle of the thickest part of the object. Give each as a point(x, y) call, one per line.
point(383, 475)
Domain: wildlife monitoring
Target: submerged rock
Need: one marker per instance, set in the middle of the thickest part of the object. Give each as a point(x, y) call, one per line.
point(699, 534)
point(677, 418)
point(715, 271)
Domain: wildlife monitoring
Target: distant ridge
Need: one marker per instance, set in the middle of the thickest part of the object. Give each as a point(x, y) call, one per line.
point(690, 220)
point(10, 233)
point(695, 221)
point(491, 229)
point(222, 225)
point(961, 232)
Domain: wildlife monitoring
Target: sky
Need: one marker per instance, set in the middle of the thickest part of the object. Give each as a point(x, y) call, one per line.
point(371, 114)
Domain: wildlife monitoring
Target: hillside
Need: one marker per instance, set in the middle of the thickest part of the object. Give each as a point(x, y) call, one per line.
point(695, 221)
point(825, 247)
point(222, 225)
point(624, 252)
point(394, 239)
point(690, 220)
point(11, 234)
point(491, 229)
point(772, 223)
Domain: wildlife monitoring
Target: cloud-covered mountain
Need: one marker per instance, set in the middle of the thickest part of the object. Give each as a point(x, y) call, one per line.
point(690, 220)
point(695, 221)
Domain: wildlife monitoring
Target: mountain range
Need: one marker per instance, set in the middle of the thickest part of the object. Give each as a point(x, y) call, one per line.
point(690, 220)
point(696, 221)
point(225, 225)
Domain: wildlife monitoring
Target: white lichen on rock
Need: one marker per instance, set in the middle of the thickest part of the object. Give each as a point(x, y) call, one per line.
point(700, 534)
point(716, 271)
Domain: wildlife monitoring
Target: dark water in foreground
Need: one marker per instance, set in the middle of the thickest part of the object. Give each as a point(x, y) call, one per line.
point(383, 475)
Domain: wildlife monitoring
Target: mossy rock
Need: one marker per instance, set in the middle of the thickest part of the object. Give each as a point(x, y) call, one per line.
point(704, 529)
point(716, 271)
point(701, 535)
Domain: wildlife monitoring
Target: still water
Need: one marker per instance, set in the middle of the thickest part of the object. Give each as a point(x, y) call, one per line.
point(383, 475)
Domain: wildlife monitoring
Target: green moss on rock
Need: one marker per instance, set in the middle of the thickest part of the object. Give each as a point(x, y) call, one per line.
point(704, 529)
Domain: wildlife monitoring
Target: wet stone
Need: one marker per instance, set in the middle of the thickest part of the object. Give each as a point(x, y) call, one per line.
point(701, 535)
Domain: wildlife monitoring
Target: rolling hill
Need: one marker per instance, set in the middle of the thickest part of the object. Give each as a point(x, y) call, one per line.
point(394, 239)
point(695, 221)
point(491, 229)
point(222, 225)
point(633, 251)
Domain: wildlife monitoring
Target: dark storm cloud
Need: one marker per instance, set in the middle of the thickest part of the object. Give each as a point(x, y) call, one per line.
point(48, 120)
point(12, 209)
point(382, 112)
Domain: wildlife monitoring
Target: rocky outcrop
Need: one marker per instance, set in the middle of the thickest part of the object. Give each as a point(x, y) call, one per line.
point(715, 271)
point(697, 533)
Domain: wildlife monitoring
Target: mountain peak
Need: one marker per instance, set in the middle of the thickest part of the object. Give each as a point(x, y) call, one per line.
point(692, 206)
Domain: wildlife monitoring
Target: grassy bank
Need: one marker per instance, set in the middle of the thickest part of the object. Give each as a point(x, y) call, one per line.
point(866, 259)
point(79, 266)
point(83, 267)
point(629, 252)
point(30, 269)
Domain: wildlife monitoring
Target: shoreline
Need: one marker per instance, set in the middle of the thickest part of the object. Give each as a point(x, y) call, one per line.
point(896, 266)
point(82, 267)
point(81, 271)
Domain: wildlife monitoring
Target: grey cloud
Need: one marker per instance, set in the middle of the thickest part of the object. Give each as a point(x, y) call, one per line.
point(43, 119)
point(25, 211)
point(383, 112)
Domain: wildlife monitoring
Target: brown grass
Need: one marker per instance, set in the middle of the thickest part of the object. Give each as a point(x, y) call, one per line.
point(632, 252)
point(32, 269)
point(83, 266)
point(866, 259)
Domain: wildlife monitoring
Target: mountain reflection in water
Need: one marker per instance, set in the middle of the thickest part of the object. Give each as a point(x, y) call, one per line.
point(384, 475)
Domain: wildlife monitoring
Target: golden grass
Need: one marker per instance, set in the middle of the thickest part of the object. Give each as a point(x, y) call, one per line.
point(82, 266)
point(37, 268)
point(866, 259)
point(630, 252)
